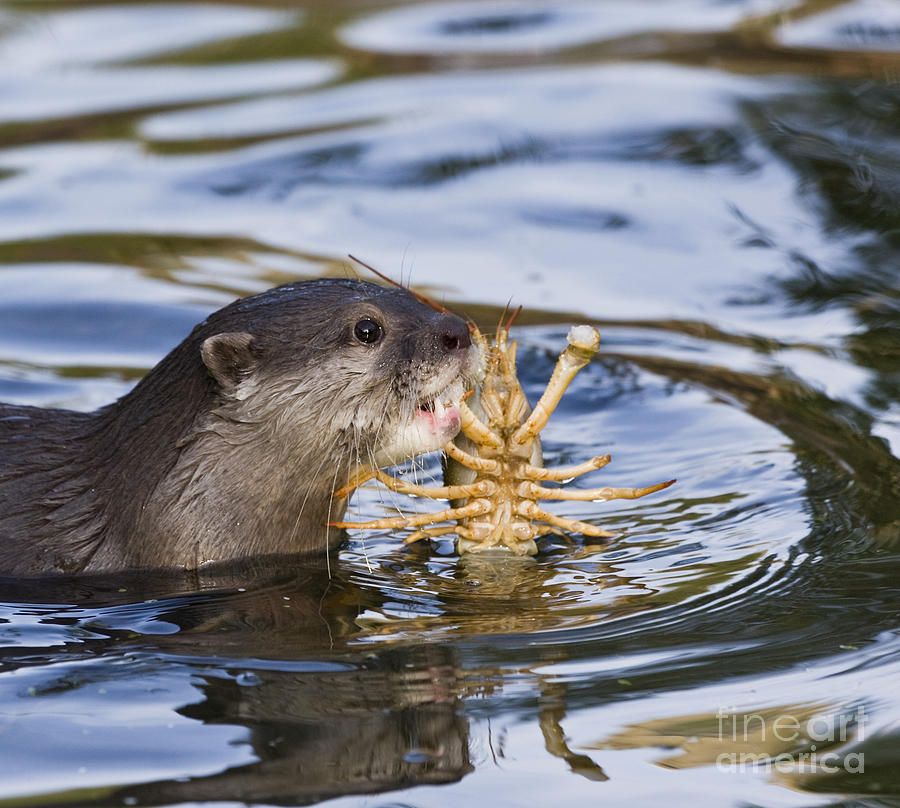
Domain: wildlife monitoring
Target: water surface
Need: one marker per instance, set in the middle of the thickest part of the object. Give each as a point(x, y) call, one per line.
point(714, 184)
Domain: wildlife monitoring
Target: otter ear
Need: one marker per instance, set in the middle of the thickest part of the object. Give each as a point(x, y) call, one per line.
point(229, 357)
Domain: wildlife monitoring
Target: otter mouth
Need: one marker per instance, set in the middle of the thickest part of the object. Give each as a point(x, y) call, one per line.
point(434, 420)
point(440, 413)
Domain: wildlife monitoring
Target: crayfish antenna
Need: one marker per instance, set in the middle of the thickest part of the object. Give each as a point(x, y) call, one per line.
point(417, 295)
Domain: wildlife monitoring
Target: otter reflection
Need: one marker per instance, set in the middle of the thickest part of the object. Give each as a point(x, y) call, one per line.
point(323, 717)
point(389, 722)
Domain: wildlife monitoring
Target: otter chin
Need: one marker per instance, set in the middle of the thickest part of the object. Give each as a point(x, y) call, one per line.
point(233, 444)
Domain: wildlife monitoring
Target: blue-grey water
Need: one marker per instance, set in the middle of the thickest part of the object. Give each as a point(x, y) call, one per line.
point(714, 183)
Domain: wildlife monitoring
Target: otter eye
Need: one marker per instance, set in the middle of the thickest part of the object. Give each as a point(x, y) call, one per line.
point(367, 331)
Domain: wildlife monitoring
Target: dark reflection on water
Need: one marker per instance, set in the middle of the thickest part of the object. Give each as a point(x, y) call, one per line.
point(715, 185)
point(326, 721)
point(324, 716)
point(493, 24)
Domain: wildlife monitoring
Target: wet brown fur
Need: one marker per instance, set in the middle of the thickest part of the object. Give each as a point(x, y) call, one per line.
point(232, 445)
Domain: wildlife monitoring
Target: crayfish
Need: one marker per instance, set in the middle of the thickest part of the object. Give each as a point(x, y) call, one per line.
point(494, 468)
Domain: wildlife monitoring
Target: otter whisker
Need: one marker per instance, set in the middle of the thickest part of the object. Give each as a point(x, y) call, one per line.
point(328, 524)
point(404, 417)
point(309, 490)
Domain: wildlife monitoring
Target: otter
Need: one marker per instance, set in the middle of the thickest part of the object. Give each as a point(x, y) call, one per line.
point(233, 444)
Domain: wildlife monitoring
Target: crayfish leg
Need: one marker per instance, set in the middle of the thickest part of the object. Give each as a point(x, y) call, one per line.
point(434, 532)
point(529, 472)
point(534, 491)
point(470, 461)
point(583, 344)
point(476, 430)
point(363, 475)
point(476, 508)
point(529, 509)
point(479, 489)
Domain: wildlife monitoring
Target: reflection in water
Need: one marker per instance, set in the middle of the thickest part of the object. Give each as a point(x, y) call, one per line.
point(714, 184)
point(863, 24)
point(509, 26)
point(346, 723)
point(391, 722)
point(794, 735)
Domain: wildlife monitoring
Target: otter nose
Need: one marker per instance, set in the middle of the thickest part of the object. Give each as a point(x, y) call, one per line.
point(453, 332)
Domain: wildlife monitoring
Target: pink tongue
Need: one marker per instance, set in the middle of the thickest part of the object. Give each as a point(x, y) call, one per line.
point(449, 420)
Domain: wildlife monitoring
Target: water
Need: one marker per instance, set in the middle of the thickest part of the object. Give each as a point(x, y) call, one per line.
point(714, 184)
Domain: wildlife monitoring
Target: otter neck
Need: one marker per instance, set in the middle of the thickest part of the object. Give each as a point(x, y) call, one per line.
point(234, 492)
point(205, 482)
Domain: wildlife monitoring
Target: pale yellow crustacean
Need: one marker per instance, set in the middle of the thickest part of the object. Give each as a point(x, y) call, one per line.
point(494, 469)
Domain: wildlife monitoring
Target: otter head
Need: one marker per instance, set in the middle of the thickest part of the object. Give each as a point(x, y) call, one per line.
point(341, 371)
